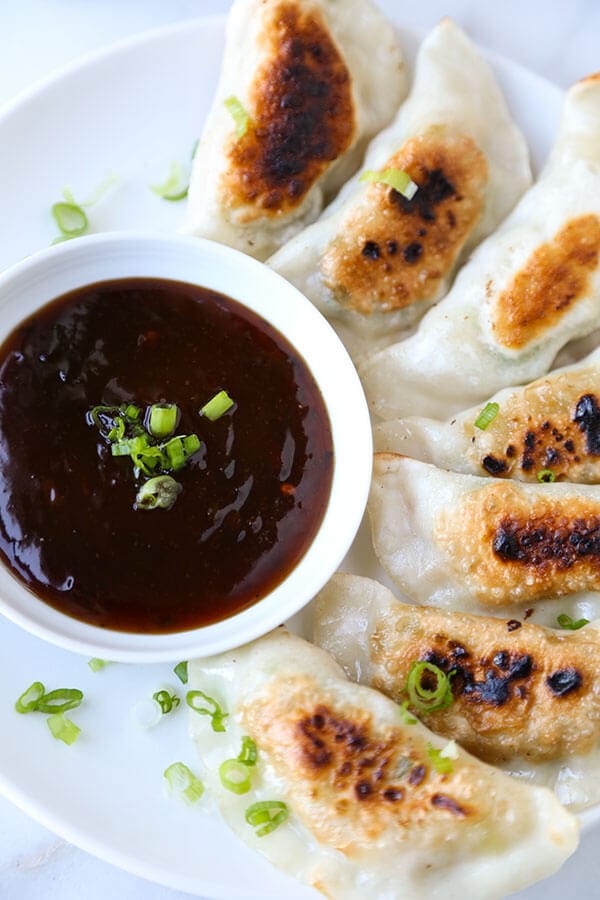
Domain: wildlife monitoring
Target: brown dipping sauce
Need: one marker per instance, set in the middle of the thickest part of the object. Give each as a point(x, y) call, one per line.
point(253, 496)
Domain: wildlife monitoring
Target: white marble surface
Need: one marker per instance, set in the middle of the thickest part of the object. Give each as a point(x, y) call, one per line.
point(558, 39)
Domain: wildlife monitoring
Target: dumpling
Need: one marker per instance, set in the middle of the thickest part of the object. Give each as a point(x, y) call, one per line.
point(529, 289)
point(375, 260)
point(300, 79)
point(549, 429)
point(369, 815)
point(473, 543)
point(519, 690)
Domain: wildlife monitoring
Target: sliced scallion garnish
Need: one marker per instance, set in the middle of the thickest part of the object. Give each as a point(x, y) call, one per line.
point(405, 715)
point(423, 697)
point(442, 760)
point(217, 406)
point(181, 670)
point(266, 815)
point(235, 776)
point(29, 699)
point(194, 700)
point(159, 492)
point(182, 780)
point(166, 701)
point(96, 664)
point(546, 476)
point(63, 729)
point(162, 419)
point(35, 699)
point(238, 114)
point(176, 185)
point(248, 754)
point(396, 178)
point(71, 219)
point(487, 415)
point(569, 624)
point(60, 700)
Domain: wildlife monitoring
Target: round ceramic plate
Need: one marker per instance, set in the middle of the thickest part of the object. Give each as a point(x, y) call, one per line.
point(132, 110)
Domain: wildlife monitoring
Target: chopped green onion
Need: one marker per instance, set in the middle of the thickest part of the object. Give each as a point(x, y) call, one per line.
point(162, 419)
point(235, 776)
point(396, 178)
point(248, 754)
point(238, 114)
point(487, 415)
point(70, 218)
point(568, 624)
point(181, 670)
point(63, 729)
point(96, 664)
point(441, 760)
point(180, 778)
point(158, 493)
point(216, 714)
point(217, 407)
point(29, 699)
point(421, 696)
point(546, 476)
point(179, 449)
point(176, 185)
point(166, 701)
point(35, 699)
point(406, 716)
point(60, 700)
point(266, 815)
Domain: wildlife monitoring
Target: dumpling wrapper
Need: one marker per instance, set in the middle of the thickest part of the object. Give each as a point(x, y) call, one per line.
point(486, 545)
point(549, 428)
point(530, 288)
point(520, 690)
point(303, 72)
point(369, 815)
point(374, 262)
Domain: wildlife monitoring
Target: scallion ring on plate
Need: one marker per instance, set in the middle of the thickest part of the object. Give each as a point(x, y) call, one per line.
point(235, 776)
point(182, 780)
point(266, 815)
point(194, 701)
point(166, 701)
point(63, 729)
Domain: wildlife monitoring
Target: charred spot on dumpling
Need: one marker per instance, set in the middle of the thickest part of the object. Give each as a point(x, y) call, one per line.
point(553, 280)
point(551, 540)
point(493, 465)
point(302, 116)
point(442, 801)
point(418, 240)
point(564, 681)
point(511, 546)
point(587, 418)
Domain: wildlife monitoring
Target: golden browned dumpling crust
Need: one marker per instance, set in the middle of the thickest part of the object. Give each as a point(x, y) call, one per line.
point(555, 277)
point(393, 252)
point(354, 782)
point(301, 116)
point(553, 425)
point(511, 549)
point(519, 689)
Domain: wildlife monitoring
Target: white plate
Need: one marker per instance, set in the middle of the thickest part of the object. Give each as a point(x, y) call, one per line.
point(133, 109)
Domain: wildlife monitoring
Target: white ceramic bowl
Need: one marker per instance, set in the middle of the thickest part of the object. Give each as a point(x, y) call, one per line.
point(53, 272)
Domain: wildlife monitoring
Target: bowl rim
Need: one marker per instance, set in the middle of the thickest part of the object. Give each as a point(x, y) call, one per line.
point(252, 284)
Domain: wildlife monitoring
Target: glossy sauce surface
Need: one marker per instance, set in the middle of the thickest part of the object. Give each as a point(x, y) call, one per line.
point(253, 495)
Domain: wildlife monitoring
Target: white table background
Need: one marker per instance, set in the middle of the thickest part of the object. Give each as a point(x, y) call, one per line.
point(559, 39)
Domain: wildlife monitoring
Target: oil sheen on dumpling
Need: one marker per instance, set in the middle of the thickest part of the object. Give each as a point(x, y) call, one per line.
point(547, 430)
point(529, 289)
point(303, 73)
point(472, 543)
point(369, 814)
point(375, 261)
point(520, 690)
